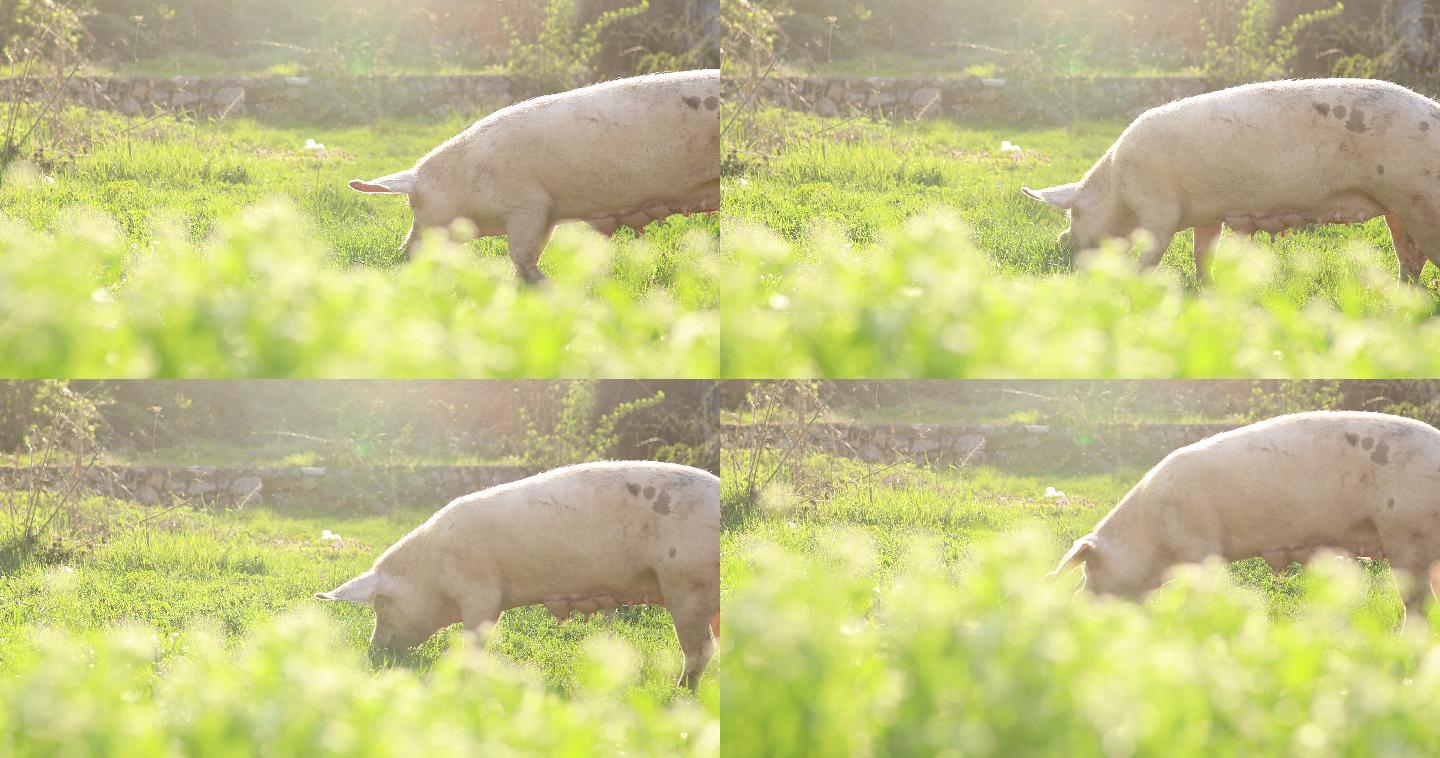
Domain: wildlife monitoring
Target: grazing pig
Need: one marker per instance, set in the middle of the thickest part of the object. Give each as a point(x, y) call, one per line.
point(621, 153)
point(1367, 484)
point(582, 538)
point(1267, 157)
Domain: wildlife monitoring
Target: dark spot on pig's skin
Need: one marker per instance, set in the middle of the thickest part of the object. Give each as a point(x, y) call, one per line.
point(1339, 111)
point(1322, 108)
point(1390, 503)
point(1356, 122)
point(1367, 443)
point(672, 552)
point(1424, 126)
point(711, 103)
point(649, 492)
point(663, 502)
point(633, 487)
point(693, 102)
point(1381, 454)
point(1352, 439)
point(1380, 169)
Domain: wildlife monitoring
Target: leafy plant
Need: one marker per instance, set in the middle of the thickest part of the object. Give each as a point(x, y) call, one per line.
point(569, 430)
point(1257, 50)
point(560, 55)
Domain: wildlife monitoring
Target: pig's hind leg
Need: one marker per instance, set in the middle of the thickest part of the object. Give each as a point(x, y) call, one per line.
point(1207, 237)
point(1411, 561)
point(527, 233)
point(1407, 251)
point(693, 602)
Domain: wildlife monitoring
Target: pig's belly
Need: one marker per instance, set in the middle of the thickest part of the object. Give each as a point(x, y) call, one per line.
point(702, 199)
point(1351, 207)
point(640, 591)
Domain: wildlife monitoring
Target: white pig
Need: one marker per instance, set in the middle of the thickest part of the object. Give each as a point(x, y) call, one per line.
point(621, 153)
point(582, 538)
point(1366, 484)
point(1268, 157)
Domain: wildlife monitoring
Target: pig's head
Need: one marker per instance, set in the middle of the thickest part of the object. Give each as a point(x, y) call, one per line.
point(1112, 570)
point(430, 207)
point(406, 613)
point(1093, 215)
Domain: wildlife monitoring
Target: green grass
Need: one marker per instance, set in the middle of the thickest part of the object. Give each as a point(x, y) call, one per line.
point(906, 65)
point(908, 614)
point(216, 608)
point(848, 261)
point(216, 250)
point(275, 61)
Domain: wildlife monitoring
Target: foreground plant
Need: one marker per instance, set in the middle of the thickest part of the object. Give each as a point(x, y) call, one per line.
point(839, 653)
point(263, 299)
point(293, 688)
point(926, 302)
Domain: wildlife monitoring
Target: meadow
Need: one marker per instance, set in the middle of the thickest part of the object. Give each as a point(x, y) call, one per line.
point(863, 248)
point(233, 247)
point(196, 632)
point(901, 610)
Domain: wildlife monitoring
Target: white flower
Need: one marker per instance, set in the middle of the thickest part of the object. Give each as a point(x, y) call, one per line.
point(311, 144)
point(1057, 494)
point(1011, 149)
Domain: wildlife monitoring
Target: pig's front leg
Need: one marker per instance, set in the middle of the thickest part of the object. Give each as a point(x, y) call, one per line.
point(479, 610)
point(528, 232)
point(1206, 238)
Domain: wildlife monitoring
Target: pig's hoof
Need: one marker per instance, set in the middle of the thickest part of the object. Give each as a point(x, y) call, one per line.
point(532, 275)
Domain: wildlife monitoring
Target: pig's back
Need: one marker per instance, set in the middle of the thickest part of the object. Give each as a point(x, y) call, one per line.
point(1293, 143)
point(619, 144)
point(600, 524)
point(1307, 477)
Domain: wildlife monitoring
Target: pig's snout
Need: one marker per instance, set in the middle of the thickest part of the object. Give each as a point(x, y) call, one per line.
point(412, 244)
point(1066, 240)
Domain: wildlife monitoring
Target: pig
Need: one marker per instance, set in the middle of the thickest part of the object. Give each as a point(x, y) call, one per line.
point(621, 153)
point(586, 538)
point(1266, 157)
point(1365, 484)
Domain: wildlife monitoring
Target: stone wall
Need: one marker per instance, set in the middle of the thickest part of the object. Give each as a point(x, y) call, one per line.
point(1024, 447)
point(374, 488)
point(978, 99)
point(278, 96)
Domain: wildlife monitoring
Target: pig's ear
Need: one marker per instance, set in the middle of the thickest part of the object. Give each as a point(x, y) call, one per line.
point(361, 590)
point(402, 183)
point(1080, 552)
point(1064, 197)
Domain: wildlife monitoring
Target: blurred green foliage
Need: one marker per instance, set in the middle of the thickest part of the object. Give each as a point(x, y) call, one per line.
point(838, 652)
point(263, 299)
point(196, 633)
point(927, 303)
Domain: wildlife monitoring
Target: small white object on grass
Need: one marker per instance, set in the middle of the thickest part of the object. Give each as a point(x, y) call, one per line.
point(329, 536)
point(311, 144)
point(1057, 494)
point(1011, 149)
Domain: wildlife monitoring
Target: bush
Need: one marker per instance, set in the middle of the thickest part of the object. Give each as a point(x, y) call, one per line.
point(927, 303)
point(295, 687)
point(839, 653)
